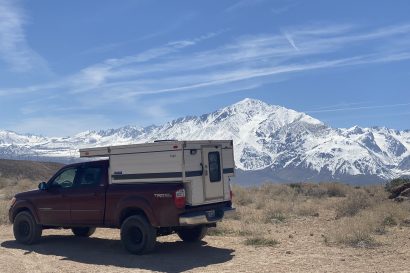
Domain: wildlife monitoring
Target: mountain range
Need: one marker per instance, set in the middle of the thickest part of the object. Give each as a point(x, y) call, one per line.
point(271, 143)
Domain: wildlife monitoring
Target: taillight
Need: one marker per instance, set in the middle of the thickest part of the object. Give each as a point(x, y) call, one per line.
point(179, 198)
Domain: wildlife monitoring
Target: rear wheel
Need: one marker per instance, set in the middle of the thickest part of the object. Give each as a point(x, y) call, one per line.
point(192, 234)
point(83, 231)
point(137, 235)
point(25, 228)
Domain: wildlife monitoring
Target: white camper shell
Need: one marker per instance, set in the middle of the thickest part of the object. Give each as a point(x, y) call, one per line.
point(203, 166)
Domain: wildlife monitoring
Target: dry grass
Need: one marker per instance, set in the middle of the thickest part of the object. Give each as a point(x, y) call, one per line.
point(352, 216)
point(353, 203)
point(4, 210)
point(13, 186)
point(360, 230)
point(357, 214)
point(260, 241)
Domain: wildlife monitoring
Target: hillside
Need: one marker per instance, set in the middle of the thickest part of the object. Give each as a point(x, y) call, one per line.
point(22, 175)
point(33, 170)
point(271, 143)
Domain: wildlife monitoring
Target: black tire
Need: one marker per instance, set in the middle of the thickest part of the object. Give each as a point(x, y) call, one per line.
point(25, 229)
point(83, 231)
point(192, 234)
point(137, 235)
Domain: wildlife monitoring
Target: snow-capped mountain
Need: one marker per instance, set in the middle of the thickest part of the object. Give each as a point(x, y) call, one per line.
point(271, 143)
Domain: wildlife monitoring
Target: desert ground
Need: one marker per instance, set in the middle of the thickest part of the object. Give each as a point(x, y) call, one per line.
point(301, 227)
point(59, 251)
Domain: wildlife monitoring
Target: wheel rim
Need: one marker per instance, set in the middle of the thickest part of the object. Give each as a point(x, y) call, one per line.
point(135, 235)
point(24, 229)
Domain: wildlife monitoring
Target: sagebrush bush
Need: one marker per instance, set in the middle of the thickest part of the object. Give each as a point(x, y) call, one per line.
point(354, 203)
point(276, 212)
point(336, 189)
point(354, 231)
point(260, 241)
point(306, 209)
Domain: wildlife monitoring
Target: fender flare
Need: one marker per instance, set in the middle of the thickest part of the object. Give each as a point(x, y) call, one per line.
point(136, 202)
point(22, 205)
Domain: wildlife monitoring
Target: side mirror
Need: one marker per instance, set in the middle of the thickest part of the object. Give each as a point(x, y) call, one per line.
point(42, 186)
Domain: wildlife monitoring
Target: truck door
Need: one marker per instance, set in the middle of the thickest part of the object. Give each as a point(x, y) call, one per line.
point(212, 172)
point(87, 200)
point(54, 204)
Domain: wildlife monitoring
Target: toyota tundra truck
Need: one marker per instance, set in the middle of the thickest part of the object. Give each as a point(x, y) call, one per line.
point(145, 190)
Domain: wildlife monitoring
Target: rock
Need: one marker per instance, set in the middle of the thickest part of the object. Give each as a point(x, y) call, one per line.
point(290, 236)
point(402, 198)
point(405, 193)
point(395, 192)
point(406, 222)
point(288, 252)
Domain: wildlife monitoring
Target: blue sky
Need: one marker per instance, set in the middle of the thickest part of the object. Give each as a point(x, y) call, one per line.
point(70, 66)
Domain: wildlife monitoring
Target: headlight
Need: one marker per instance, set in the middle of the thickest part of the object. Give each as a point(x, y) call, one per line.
point(13, 201)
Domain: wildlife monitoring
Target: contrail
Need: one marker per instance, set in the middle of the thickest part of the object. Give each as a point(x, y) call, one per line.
point(359, 108)
point(290, 40)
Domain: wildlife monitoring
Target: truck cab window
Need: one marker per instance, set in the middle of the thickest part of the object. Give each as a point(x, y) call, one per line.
point(65, 179)
point(214, 167)
point(90, 176)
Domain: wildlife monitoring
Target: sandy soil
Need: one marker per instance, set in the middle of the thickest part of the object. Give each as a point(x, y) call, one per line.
point(301, 249)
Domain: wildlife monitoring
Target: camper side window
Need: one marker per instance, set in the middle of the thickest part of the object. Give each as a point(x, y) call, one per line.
point(214, 166)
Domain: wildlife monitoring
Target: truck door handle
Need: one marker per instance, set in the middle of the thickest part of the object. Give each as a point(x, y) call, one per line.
point(202, 168)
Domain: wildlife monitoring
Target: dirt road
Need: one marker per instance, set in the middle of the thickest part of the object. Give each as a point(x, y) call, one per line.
point(59, 251)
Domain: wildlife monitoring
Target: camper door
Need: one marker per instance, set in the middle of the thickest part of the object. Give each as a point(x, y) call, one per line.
point(212, 172)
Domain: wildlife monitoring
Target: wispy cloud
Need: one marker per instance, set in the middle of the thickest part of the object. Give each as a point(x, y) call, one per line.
point(184, 69)
point(284, 8)
point(243, 4)
point(14, 49)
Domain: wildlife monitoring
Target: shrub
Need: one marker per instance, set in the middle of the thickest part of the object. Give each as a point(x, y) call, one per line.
point(241, 196)
point(260, 241)
point(356, 231)
point(274, 215)
point(219, 231)
point(306, 209)
point(377, 193)
point(336, 189)
point(354, 203)
point(4, 212)
point(313, 190)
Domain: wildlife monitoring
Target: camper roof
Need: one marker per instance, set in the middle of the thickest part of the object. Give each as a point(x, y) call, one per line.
point(148, 147)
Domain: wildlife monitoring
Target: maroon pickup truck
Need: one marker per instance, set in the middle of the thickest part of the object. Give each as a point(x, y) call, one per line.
point(80, 197)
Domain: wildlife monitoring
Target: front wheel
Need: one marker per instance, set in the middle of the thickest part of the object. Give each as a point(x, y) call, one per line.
point(83, 231)
point(137, 235)
point(25, 228)
point(192, 234)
